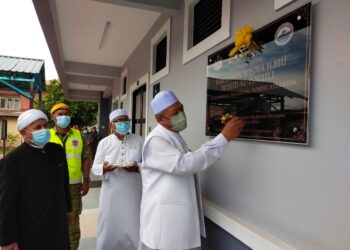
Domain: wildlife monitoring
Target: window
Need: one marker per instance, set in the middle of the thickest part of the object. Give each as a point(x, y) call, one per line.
point(139, 110)
point(161, 55)
point(124, 85)
point(156, 89)
point(138, 105)
point(17, 104)
point(2, 102)
point(206, 24)
point(115, 103)
point(206, 19)
point(160, 50)
point(11, 103)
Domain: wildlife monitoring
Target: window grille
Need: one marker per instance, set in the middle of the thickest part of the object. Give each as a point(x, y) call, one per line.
point(206, 19)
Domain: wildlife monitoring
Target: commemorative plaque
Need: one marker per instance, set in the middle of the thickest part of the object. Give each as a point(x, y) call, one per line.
point(266, 82)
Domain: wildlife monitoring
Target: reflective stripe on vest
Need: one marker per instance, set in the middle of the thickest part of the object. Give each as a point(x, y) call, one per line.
point(73, 156)
point(74, 150)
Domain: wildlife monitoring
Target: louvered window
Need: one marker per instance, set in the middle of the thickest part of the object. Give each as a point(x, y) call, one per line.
point(206, 20)
point(206, 24)
point(161, 54)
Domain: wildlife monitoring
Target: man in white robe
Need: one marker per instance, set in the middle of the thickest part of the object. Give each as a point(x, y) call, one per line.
point(171, 210)
point(119, 208)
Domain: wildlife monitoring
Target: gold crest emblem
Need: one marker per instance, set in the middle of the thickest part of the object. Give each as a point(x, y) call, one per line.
point(75, 143)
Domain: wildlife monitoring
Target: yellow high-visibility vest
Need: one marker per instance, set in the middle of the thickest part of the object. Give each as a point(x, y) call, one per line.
point(74, 150)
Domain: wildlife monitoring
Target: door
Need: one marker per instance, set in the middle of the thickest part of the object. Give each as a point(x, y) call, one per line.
point(139, 111)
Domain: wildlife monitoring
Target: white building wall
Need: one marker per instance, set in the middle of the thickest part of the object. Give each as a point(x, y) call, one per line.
point(296, 194)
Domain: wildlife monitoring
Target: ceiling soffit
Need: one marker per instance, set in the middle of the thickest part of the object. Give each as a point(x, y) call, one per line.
point(74, 28)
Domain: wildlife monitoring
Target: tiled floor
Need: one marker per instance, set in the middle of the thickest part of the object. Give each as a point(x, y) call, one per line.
point(88, 220)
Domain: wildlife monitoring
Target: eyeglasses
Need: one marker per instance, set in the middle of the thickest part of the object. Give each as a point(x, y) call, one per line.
point(123, 121)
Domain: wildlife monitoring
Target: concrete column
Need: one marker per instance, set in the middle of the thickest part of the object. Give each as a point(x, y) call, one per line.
point(105, 109)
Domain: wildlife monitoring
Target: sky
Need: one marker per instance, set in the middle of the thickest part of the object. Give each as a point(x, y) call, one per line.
point(21, 34)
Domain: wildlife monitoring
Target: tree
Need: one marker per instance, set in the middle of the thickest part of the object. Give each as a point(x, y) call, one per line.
point(83, 113)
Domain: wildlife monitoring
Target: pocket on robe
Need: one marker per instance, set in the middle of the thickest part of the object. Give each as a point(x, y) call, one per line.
point(179, 228)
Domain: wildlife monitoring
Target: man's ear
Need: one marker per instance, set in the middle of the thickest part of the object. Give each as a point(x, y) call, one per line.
point(22, 132)
point(25, 135)
point(112, 125)
point(159, 118)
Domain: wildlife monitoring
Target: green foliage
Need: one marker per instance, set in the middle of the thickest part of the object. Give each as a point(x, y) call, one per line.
point(12, 139)
point(83, 113)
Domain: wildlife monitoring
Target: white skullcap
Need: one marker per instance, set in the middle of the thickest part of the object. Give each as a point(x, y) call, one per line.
point(28, 117)
point(163, 100)
point(116, 113)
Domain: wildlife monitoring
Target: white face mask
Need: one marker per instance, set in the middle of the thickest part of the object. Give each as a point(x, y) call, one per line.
point(178, 122)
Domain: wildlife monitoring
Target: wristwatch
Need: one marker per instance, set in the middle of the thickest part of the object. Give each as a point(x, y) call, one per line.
point(87, 179)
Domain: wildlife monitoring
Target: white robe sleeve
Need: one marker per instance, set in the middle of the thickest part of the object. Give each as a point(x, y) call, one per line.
point(97, 167)
point(161, 155)
point(139, 163)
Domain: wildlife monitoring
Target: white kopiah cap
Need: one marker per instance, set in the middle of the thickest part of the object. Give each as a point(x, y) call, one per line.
point(163, 100)
point(116, 113)
point(28, 117)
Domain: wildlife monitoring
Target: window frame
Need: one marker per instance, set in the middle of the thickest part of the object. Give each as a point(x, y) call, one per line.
point(190, 53)
point(13, 102)
point(115, 101)
point(164, 31)
point(144, 80)
point(123, 75)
